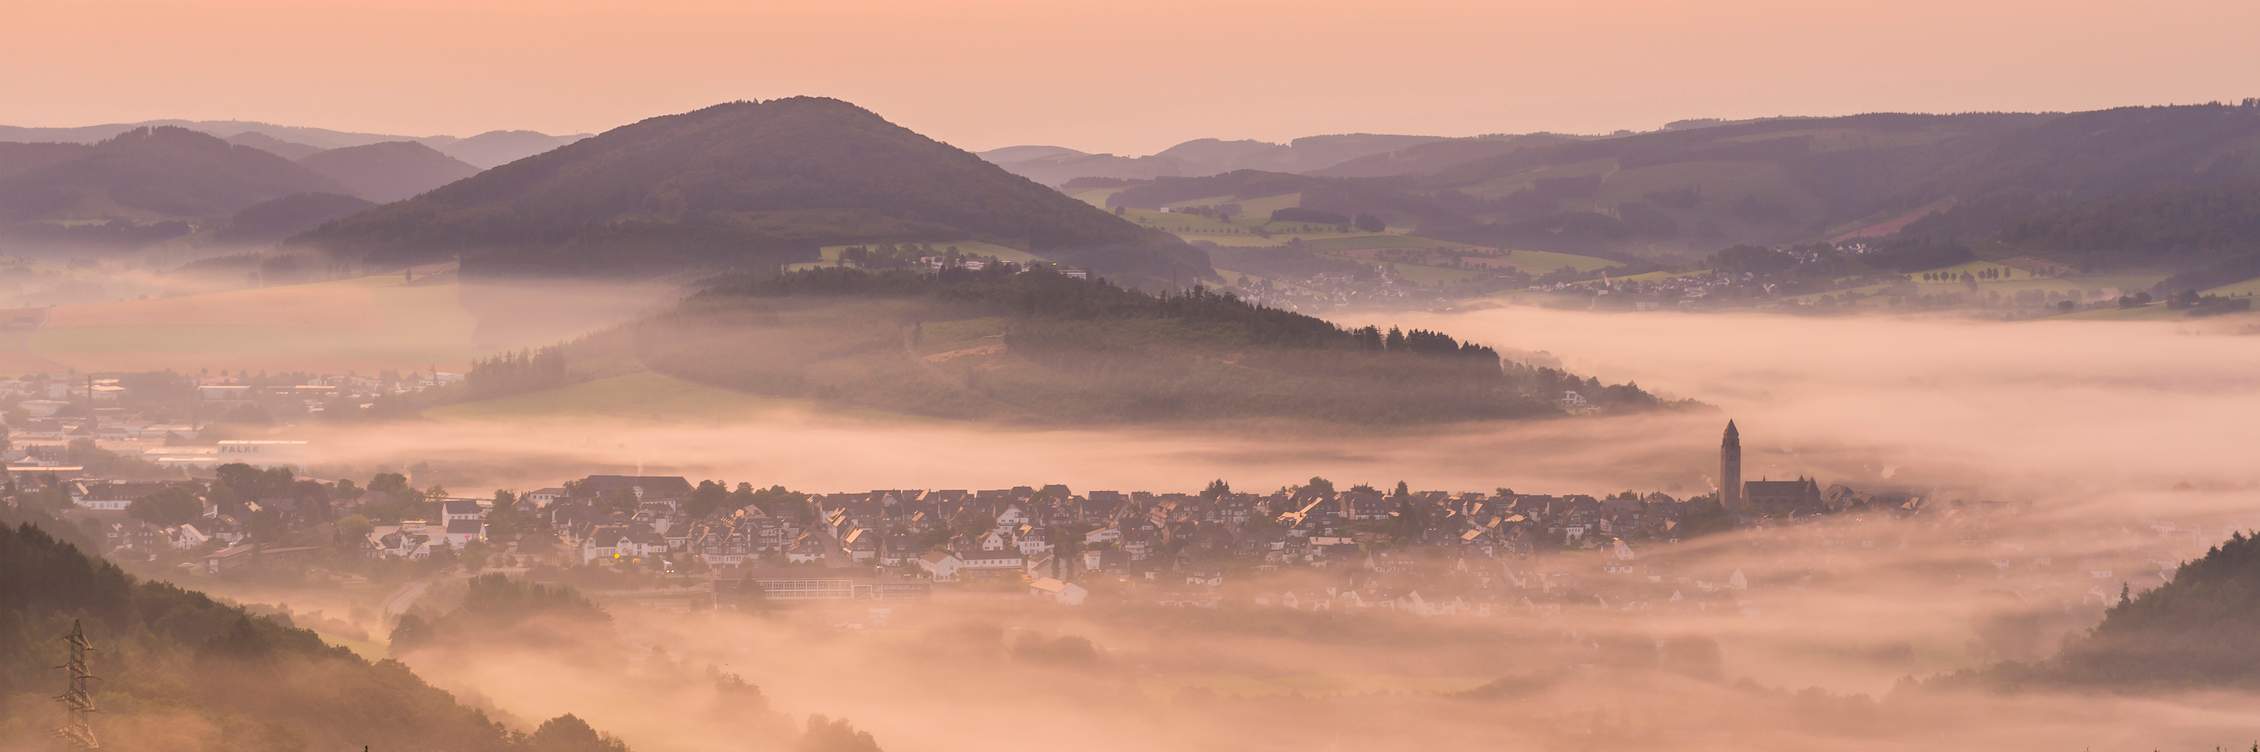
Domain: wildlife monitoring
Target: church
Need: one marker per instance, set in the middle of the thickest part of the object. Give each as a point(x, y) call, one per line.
point(1761, 498)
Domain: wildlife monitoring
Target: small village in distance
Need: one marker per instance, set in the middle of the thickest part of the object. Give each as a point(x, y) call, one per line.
point(667, 541)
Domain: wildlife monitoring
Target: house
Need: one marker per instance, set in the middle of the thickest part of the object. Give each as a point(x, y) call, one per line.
point(411, 539)
point(109, 497)
point(461, 531)
point(993, 541)
point(184, 537)
point(602, 542)
point(940, 565)
point(457, 510)
point(1058, 591)
point(639, 541)
point(988, 561)
point(640, 486)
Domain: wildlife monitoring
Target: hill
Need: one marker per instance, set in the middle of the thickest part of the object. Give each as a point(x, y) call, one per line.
point(388, 171)
point(2166, 187)
point(260, 140)
point(748, 185)
point(494, 148)
point(2193, 632)
point(1037, 346)
point(138, 179)
point(272, 220)
point(18, 158)
point(1057, 166)
point(180, 671)
point(291, 141)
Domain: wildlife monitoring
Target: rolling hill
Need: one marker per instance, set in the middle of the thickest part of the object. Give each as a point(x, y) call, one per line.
point(1041, 347)
point(494, 148)
point(260, 140)
point(2192, 632)
point(2142, 186)
point(747, 185)
point(292, 142)
point(143, 184)
point(272, 220)
point(388, 171)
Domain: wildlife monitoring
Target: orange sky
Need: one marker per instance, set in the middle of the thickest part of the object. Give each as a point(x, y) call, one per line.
point(1122, 76)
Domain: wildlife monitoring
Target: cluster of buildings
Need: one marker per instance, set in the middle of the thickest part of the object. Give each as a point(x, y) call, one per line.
point(163, 418)
point(1051, 540)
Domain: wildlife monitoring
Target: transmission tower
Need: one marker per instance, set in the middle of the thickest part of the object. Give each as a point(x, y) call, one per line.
point(77, 701)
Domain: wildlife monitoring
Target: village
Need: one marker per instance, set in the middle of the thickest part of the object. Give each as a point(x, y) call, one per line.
point(666, 539)
point(158, 472)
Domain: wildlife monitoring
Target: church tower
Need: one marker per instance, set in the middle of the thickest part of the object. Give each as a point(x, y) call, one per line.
point(1730, 470)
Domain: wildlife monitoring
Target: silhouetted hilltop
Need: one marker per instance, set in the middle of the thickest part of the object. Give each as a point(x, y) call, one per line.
point(747, 185)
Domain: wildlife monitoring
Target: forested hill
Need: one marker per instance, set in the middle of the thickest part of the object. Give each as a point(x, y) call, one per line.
point(1040, 346)
point(2194, 632)
point(745, 185)
point(182, 672)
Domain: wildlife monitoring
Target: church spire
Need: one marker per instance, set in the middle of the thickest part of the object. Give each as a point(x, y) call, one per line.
point(1730, 469)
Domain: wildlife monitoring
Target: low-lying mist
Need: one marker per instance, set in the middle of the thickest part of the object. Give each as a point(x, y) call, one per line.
point(2059, 461)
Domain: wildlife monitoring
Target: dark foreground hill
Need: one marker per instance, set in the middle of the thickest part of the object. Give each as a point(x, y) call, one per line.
point(744, 185)
point(180, 671)
point(1042, 347)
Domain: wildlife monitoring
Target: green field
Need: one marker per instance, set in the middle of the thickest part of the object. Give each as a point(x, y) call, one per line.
point(2018, 279)
point(1095, 196)
point(1370, 241)
point(1541, 262)
point(2245, 289)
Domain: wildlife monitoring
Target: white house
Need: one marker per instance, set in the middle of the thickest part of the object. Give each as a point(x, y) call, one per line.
point(988, 560)
point(940, 565)
point(1056, 591)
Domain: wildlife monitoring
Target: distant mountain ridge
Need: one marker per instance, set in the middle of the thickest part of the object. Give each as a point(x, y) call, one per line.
point(1056, 165)
point(744, 185)
point(2138, 186)
point(145, 175)
point(483, 150)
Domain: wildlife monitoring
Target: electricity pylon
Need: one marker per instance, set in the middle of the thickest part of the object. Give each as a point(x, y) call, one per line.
point(77, 701)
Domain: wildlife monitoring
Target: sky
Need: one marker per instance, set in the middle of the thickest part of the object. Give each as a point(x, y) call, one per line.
point(1125, 77)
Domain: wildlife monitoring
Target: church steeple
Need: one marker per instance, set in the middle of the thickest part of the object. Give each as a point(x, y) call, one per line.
point(1730, 469)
